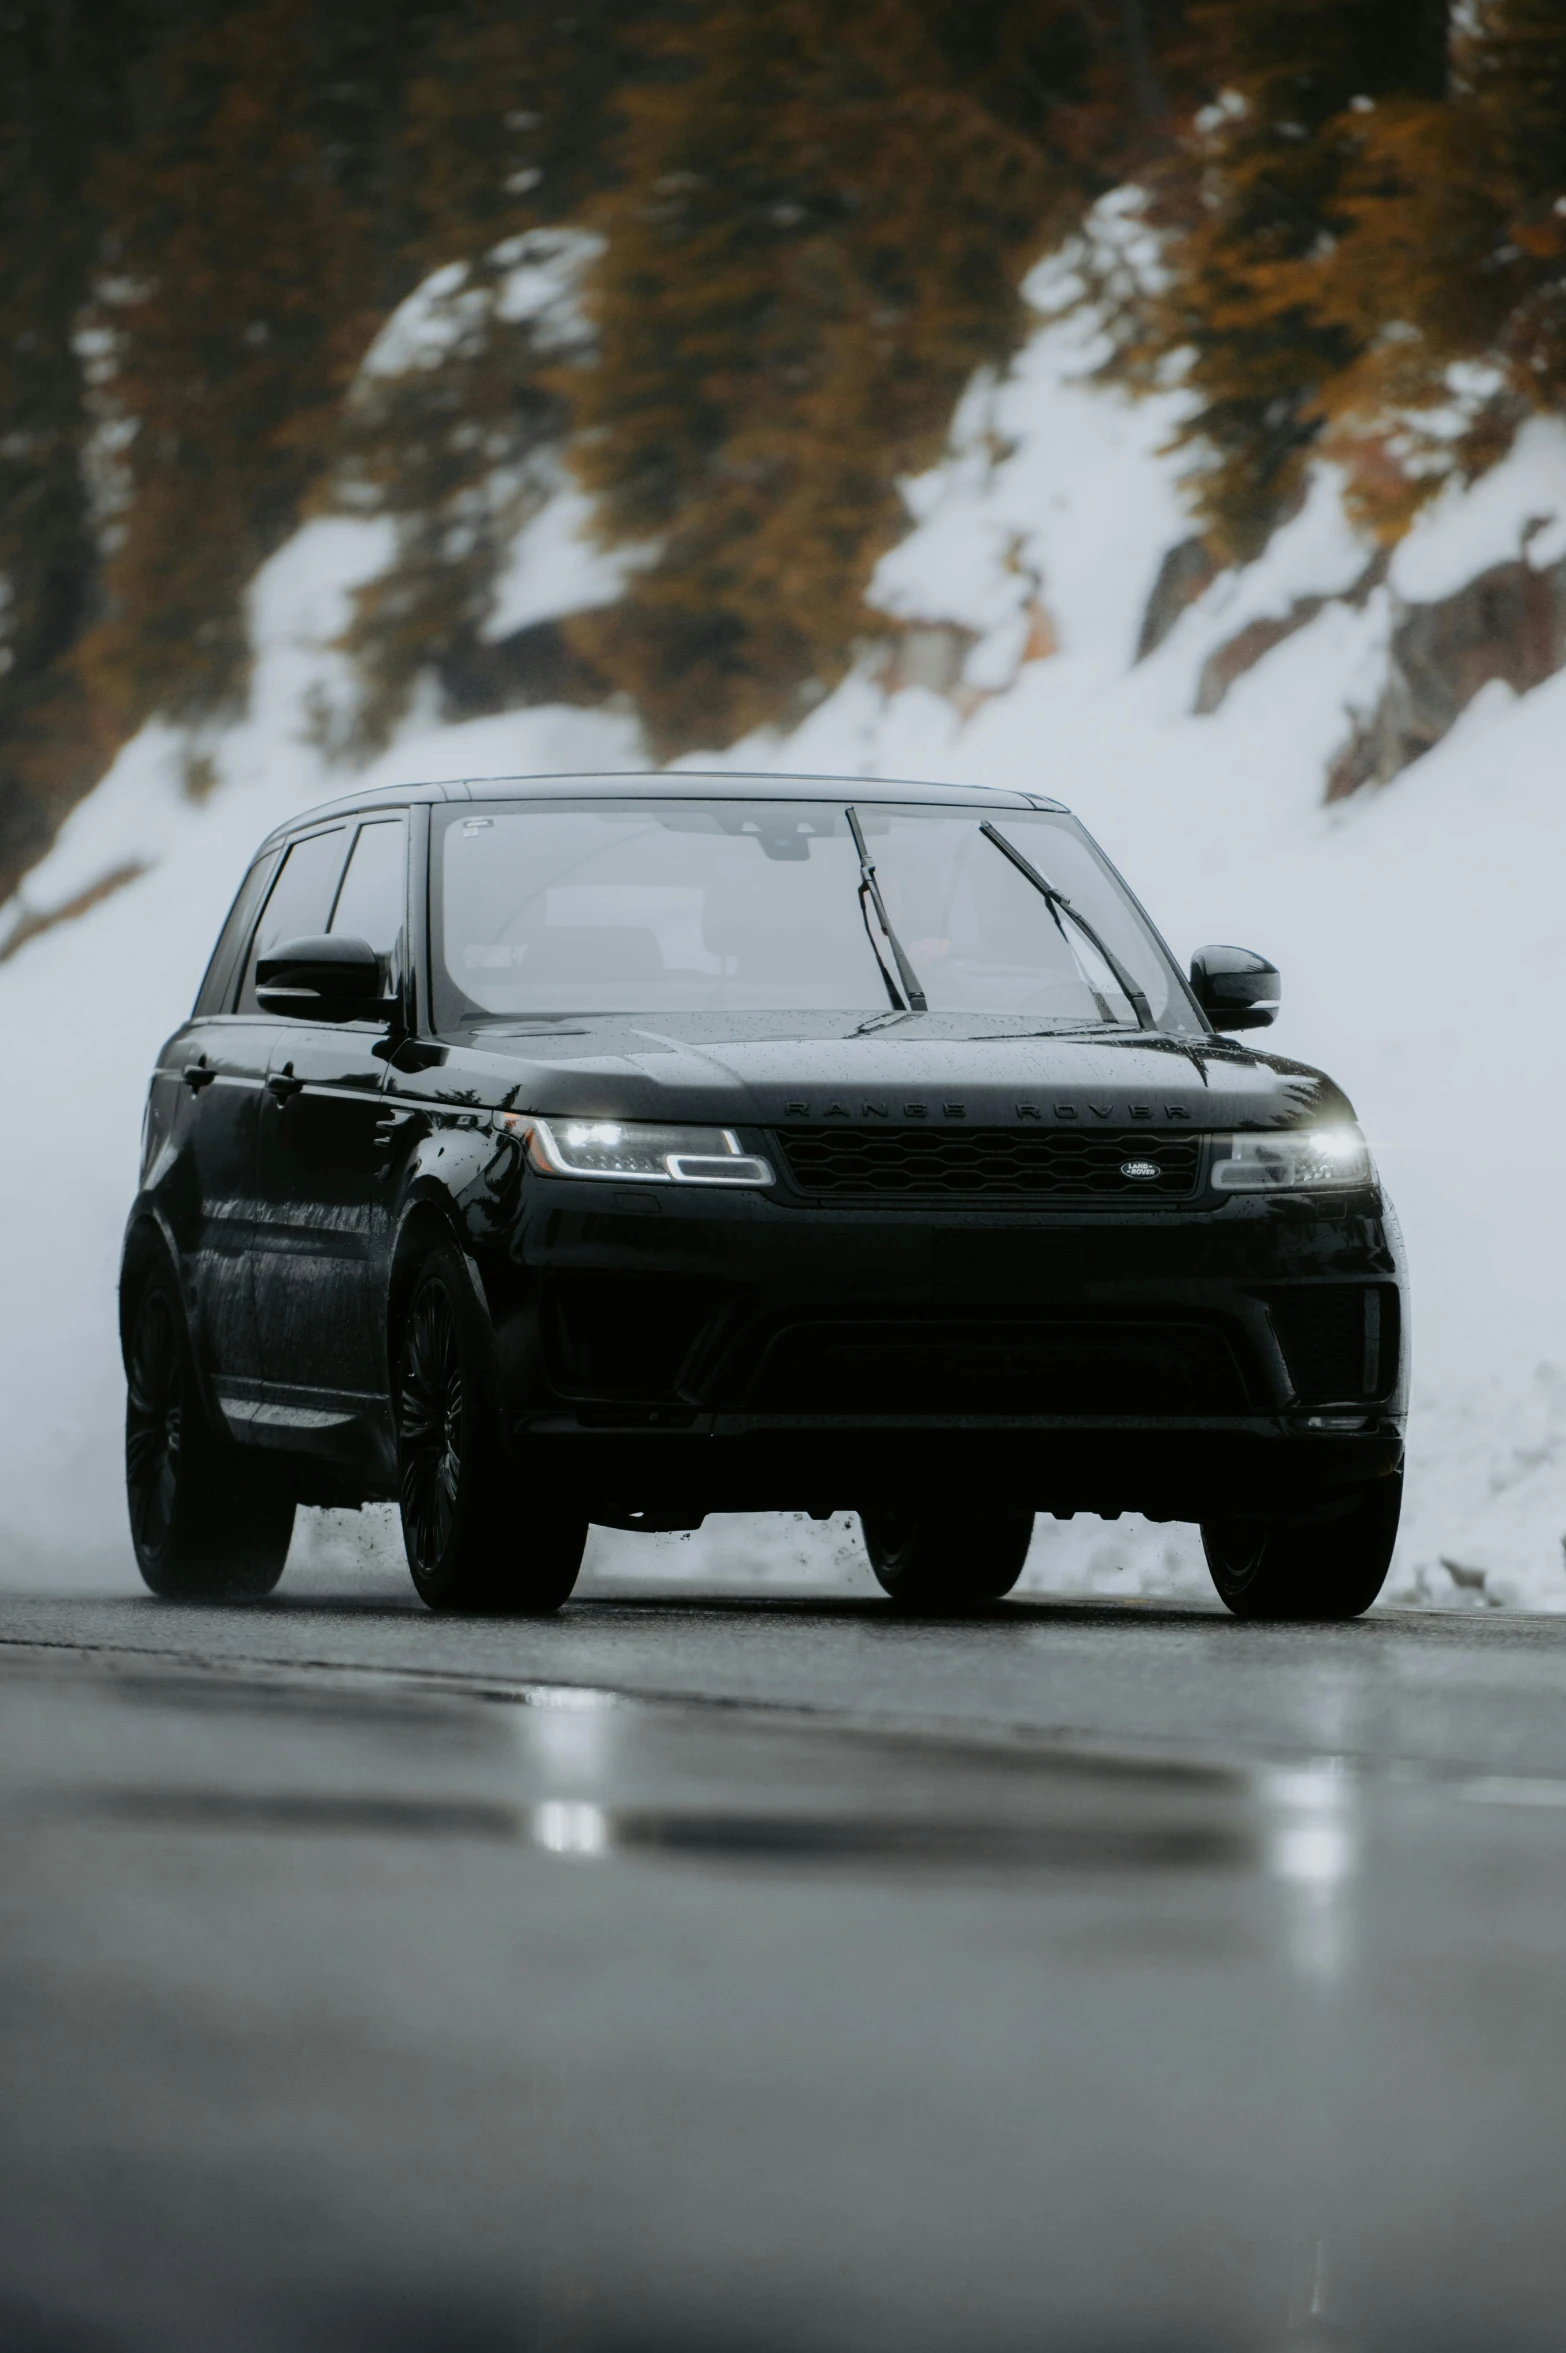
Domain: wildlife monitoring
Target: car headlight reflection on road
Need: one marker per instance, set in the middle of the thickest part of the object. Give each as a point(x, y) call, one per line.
point(1299, 1161)
point(639, 1149)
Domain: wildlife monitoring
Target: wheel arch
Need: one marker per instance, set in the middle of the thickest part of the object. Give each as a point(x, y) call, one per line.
point(148, 1243)
point(429, 1217)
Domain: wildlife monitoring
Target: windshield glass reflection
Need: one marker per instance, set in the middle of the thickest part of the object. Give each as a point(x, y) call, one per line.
point(714, 906)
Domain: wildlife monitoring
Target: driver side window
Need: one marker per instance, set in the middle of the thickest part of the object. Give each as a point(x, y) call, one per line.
point(299, 902)
point(371, 900)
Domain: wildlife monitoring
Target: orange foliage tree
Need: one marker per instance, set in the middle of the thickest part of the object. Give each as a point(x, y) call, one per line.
point(817, 235)
point(244, 272)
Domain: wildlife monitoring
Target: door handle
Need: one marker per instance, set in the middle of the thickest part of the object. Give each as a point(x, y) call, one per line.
point(388, 1128)
point(196, 1075)
point(283, 1086)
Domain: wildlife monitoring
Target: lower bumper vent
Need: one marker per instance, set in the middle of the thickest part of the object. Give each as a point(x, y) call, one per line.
point(1054, 1367)
point(1340, 1340)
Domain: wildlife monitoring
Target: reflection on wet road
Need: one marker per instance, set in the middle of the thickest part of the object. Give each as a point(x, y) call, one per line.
point(369, 1982)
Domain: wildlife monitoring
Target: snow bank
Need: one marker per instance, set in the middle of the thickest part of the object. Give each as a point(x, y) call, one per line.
point(1417, 929)
point(85, 1006)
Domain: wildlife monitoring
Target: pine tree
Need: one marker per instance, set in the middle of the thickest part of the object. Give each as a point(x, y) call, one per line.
point(254, 245)
point(1450, 276)
point(512, 118)
point(67, 86)
point(818, 237)
point(1258, 196)
point(509, 133)
point(1516, 65)
point(802, 216)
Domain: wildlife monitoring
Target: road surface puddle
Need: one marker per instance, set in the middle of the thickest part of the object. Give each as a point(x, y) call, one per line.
point(592, 1776)
point(589, 1832)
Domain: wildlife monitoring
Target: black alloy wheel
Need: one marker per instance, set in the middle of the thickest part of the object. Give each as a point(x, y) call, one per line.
point(475, 1543)
point(208, 1521)
point(946, 1560)
point(1324, 1570)
point(431, 1417)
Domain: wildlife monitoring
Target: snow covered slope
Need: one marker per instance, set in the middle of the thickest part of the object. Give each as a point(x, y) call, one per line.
point(1417, 927)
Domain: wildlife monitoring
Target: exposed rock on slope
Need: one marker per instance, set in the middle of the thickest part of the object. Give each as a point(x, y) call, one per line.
point(1187, 572)
point(1508, 624)
point(1247, 647)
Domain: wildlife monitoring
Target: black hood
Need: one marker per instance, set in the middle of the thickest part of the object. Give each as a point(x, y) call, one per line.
point(769, 1070)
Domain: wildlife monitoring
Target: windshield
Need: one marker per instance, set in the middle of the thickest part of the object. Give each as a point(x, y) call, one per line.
point(641, 907)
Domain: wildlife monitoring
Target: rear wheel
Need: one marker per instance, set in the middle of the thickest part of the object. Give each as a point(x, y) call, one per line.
point(475, 1543)
point(1306, 1569)
point(209, 1521)
point(941, 1559)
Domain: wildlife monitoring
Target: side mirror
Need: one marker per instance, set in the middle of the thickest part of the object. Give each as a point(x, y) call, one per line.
point(329, 978)
point(1235, 988)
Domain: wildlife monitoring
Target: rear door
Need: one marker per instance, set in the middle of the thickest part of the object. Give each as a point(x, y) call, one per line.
point(324, 1179)
point(227, 1072)
point(201, 1140)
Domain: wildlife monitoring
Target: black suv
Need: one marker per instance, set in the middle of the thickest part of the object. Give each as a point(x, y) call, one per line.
point(545, 1151)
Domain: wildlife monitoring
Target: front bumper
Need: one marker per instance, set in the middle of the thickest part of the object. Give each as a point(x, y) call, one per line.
point(670, 1479)
point(674, 1353)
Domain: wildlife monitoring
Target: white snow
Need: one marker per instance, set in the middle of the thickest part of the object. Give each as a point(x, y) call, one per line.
point(539, 283)
point(1520, 505)
point(87, 1004)
point(1417, 928)
point(1316, 553)
point(555, 567)
point(995, 531)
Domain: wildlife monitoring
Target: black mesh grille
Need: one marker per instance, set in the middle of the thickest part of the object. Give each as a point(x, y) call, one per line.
point(1340, 1339)
point(993, 1163)
point(1061, 1366)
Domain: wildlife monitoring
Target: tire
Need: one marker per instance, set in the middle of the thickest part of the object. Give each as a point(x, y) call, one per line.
point(944, 1560)
point(475, 1544)
point(1323, 1570)
point(209, 1522)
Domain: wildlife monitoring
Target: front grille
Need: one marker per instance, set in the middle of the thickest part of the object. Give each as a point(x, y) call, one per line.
point(989, 1163)
point(1340, 1339)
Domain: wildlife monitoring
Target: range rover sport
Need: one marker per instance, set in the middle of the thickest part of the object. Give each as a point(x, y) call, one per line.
point(618, 1149)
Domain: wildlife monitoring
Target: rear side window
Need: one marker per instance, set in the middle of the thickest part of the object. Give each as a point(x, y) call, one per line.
point(217, 989)
point(299, 902)
point(371, 900)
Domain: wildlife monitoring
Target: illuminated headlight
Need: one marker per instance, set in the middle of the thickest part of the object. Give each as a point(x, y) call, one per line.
point(636, 1148)
point(1303, 1160)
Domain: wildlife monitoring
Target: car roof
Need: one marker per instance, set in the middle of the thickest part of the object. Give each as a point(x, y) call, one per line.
point(673, 784)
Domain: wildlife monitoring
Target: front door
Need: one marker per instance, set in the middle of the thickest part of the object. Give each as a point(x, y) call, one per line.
point(321, 1154)
point(206, 1099)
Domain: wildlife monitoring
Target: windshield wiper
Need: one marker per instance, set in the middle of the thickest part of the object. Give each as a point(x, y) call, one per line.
point(913, 997)
point(1058, 901)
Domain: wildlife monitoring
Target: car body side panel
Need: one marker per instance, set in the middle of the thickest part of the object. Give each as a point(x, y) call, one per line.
point(201, 1176)
point(321, 1158)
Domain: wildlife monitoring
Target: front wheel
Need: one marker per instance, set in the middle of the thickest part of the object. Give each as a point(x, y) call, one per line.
point(209, 1521)
point(476, 1545)
point(1307, 1569)
point(947, 1560)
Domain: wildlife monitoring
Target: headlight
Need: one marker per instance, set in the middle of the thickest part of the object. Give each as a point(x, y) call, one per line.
point(636, 1148)
point(1304, 1160)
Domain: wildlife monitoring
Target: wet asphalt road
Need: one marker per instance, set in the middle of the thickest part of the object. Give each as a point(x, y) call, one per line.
point(767, 1973)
